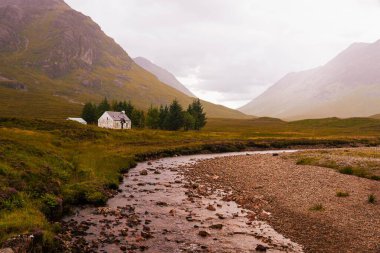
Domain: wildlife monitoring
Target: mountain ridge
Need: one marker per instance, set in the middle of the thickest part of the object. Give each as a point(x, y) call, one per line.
point(346, 86)
point(163, 75)
point(63, 59)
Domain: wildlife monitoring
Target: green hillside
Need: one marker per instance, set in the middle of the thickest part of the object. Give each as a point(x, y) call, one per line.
point(53, 59)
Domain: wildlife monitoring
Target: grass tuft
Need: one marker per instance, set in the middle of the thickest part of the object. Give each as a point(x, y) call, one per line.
point(317, 207)
point(371, 199)
point(342, 194)
point(346, 171)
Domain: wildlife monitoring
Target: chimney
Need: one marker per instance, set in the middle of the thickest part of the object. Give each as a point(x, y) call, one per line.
point(123, 112)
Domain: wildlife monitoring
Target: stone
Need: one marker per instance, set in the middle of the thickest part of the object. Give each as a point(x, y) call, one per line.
point(220, 216)
point(261, 248)
point(146, 235)
point(210, 208)
point(6, 250)
point(203, 233)
point(216, 226)
point(143, 172)
point(161, 203)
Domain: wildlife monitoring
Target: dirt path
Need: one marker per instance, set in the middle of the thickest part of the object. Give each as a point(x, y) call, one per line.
point(289, 192)
point(158, 210)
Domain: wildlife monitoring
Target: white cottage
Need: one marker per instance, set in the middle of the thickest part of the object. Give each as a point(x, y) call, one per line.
point(114, 120)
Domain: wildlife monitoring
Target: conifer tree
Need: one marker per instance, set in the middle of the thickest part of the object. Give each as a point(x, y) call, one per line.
point(188, 121)
point(196, 110)
point(163, 115)
point(89, 113)
point(103, 107)
point(175, 116)
point(153, 118)
point(138, 119)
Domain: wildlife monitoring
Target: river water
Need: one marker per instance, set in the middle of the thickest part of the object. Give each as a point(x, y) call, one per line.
point(157, 210)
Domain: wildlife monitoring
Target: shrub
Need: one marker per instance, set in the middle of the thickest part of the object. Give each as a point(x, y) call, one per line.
point(306, 161)
point(346, 170)
point(371, 199)
point(317, 207)
point(52, 206)
point(342, 194)
point(10, 199)
point(113, 186)
point(84, 193)
point(96, 198)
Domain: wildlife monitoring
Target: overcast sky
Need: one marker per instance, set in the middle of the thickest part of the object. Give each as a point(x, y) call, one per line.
point(230, 51)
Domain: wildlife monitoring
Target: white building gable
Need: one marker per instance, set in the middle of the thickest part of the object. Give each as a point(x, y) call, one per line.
point(114, 120)
point(79, 120)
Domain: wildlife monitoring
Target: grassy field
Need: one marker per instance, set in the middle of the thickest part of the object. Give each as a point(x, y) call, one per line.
point(362, 163)
point(48, 166)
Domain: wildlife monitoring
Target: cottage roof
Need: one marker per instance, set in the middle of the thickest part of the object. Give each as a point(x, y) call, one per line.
point(117, 116)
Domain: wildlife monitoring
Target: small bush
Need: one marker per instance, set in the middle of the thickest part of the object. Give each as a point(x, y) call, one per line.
point(113, 186)
point(347, 171)
point(371, 199)
point(10, 199)
point(306, 161)
point(342, 194)
point(96, 198)
point(317, 207)
point(3, 171)
point(124, 170)
point(52, 206)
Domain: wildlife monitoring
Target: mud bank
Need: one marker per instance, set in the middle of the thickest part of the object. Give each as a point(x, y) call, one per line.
point(303, 200)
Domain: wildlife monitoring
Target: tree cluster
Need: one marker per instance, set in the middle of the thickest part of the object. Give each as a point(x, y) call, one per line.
point(172, 117)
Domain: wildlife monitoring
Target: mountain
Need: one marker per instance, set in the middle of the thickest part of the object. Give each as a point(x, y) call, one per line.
point(53, 59)
point(163, 75)
point(347, 86)
point(376, 116)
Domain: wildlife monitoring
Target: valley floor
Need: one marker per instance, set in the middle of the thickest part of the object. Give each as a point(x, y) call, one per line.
point(48, 167)
point(317, 207)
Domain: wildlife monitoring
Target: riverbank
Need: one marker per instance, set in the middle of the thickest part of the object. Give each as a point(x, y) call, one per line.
point(323, 210)
point(158, 210)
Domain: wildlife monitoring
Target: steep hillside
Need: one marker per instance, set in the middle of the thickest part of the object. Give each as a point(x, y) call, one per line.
point(53, 59)
point(163, 75)
point(347, 86)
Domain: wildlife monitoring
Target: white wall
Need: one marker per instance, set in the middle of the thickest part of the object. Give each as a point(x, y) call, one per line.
point(105, 121)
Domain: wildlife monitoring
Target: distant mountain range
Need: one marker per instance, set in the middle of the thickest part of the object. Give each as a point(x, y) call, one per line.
point(53, 59)
point(163, 75)
point(347, 86)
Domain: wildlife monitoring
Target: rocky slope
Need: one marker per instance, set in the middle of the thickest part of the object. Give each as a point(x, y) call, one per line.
point(163, 75)
point(60, 58)
point(347, 86)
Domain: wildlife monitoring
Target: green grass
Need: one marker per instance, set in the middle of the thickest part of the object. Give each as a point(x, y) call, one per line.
point(361, 163)
point(48, 166)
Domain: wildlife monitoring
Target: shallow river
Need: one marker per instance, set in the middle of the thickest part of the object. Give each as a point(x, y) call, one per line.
point(157, 210)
